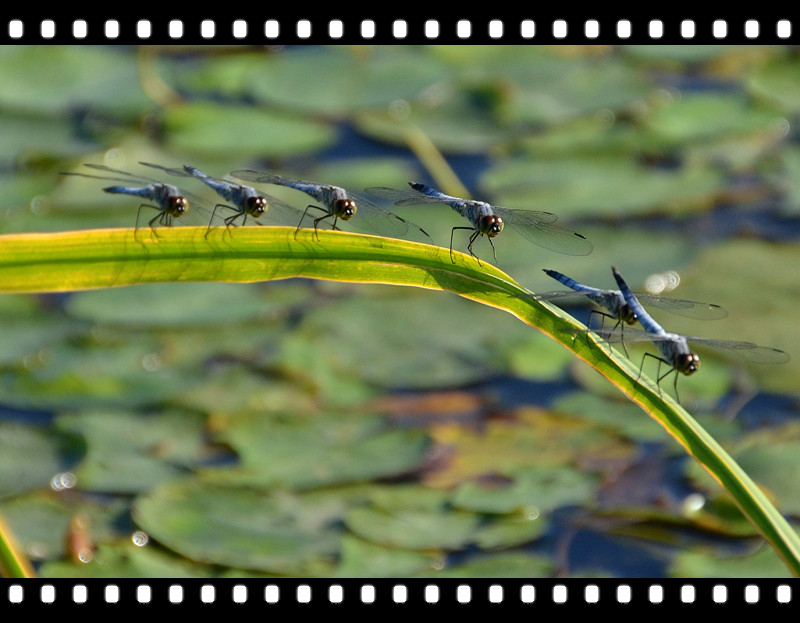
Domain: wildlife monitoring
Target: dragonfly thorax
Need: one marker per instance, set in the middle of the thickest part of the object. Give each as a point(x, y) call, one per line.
point(687, 363)
point(490, 225)
point(345, 209)
point(256, 206)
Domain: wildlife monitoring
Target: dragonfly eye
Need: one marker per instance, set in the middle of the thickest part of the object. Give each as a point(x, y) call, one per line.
point(256, 206)
point(346, 209)
point(626, 314)
point(687, 363)
point(491, 225)
point(178, 205)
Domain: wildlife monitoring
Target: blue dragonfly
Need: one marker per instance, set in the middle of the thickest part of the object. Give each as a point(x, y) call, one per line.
point(489, 220)
point(614, 306)
point(246, 200)
point(674, 349)
point(341, 204)
point(169, 202)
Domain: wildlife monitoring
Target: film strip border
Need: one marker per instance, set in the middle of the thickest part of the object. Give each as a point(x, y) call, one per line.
point(397, 593)
point(777, 29)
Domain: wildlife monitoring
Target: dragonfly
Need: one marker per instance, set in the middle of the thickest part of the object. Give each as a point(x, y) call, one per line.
point(246, 200)
point(170, 202)
point(489, 220)
point(340, 204)
point(615, 307)
point(674, 348)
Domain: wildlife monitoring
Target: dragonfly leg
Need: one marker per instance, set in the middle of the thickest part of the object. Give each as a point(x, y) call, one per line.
point(322, 218)
point(602, 331)
point(472, 239)
point(452, 231)
point(658, 370)
point(227, 221)
point(494, 251)
point(674, 384)
point(302, 218)
point(151, 221)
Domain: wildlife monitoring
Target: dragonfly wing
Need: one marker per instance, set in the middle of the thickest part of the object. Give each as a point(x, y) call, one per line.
point(532, 226)
point(401, 197)
point(383, 222)
point(745, 350)
point(680, 307)
point(171, 171)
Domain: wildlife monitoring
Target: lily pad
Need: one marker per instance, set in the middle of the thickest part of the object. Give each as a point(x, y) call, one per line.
point(126, 560)
point(508, 565)
point(362, 559)
point(600, 186)
point(705, 563)
point(53, 79)
point(239, 131)
point(54, 453)
point(301, 452)
point(531, 492)
point(181, 305)
point(129, 453)
point(414, 529)
point(239, 527)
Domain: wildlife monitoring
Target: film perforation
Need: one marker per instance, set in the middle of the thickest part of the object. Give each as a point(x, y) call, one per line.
point(400, 30)
point(395, 593)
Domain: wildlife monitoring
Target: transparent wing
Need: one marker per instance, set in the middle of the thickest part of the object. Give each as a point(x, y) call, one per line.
point(119, 176)
point(270, 178)
point(402, 197)
point(538, 228)
point(170, 170)
point(377, 220)
point(689, 309)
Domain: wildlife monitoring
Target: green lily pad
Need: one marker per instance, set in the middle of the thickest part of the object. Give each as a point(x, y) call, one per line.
point(600, 186)
point(40, 521)
point(53, 79)
point(508, 532)
point(53, 452)
point(362, 559)
point(532, 491)
point(239, 527)
point(126, 560)
point(239, 131)
point(537, 85)
point(777, 82)
point(414, 529)
point(181, 305)
point(339, 80)
point(701, 562)
point(300, 452)
point(128, 453)
point(702, 117)
point(507, 565)
point(536, 438)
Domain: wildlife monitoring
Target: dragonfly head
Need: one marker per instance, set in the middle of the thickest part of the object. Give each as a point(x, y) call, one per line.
point(256, 206)
point(177, 205)
point(627, 315)
point(490, 225)
point(687, 363)
point(345, 209)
